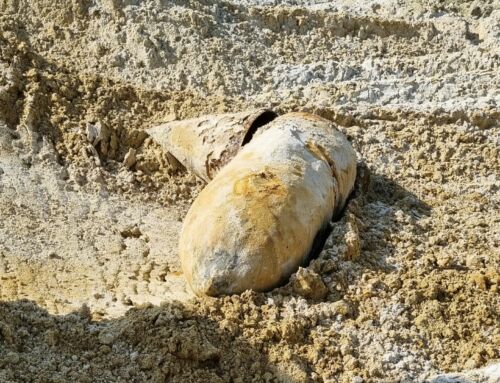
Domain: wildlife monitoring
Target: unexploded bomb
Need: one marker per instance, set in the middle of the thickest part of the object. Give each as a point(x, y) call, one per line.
point(205, 144)
point(255, 223)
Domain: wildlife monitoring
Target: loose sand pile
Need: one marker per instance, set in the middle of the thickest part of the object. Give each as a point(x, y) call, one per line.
point(407, 286)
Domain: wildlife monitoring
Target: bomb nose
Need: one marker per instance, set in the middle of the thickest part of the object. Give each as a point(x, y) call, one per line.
point(217, 286)
point(213, 286)
point(213, 280)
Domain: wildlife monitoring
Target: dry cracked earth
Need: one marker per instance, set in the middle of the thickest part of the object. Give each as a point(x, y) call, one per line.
point(407, 286)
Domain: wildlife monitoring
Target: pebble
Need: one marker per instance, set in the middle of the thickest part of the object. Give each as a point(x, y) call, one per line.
point(130, 158)
point(106, 337)
point(309, 284)
point(12, 357)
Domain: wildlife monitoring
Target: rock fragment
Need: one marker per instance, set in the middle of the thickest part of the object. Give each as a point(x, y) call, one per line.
point(307, 283)
point(130, 158)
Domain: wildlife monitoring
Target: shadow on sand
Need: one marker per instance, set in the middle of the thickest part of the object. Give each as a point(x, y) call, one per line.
point(169, 343)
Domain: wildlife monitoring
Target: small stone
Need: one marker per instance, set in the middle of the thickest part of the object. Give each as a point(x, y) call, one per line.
point(147, 362)
point(353, 247)
point(444, 261)
point(473, 362)
point(474, 261)
point(292, 331)
point(104, 349)
point(95, 133)
point(12, 358)
point(309, 284)
point(106, 337)
point(342, 308)
point(130, 158)
point(479, 280)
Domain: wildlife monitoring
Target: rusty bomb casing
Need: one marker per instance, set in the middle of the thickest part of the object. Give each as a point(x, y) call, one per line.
point(255, 223)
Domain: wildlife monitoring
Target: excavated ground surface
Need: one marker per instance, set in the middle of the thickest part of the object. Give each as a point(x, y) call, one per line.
point(90, 284)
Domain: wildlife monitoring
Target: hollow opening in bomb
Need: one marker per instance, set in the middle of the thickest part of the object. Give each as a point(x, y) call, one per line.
point(263, 119)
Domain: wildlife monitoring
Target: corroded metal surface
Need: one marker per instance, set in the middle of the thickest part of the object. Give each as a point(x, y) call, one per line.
point(205, 144)
point(255, 223)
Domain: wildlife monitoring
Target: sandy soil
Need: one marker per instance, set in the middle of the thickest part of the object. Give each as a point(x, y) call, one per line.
point(90, 283)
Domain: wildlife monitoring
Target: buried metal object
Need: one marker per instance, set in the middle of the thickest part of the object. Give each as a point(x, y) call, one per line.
point(255, 223)
point(205, 144)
